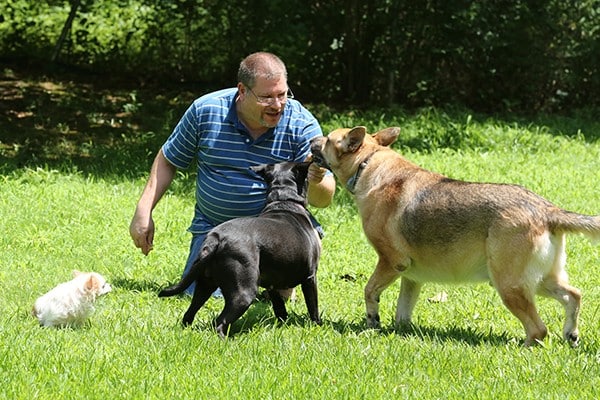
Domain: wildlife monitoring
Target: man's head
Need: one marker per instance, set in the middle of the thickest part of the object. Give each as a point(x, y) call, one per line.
point(261, 65)
point(263, 90)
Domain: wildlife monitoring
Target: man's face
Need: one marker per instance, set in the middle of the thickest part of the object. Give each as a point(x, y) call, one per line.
point(262, 104)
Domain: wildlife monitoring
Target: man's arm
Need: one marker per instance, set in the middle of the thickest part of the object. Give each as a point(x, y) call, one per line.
point(321, 186)
point(141, 228)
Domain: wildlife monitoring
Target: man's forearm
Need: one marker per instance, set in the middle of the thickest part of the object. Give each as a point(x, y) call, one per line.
point(321, 194)
point(161, 176)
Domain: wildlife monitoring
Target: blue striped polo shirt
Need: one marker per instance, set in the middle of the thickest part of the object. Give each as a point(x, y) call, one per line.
point(211, 133)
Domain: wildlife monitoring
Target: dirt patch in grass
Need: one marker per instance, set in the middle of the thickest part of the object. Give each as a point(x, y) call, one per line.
point(73, 119)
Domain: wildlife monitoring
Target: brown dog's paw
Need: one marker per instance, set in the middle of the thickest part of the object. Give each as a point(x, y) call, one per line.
point(573, 339)
point(373, 321)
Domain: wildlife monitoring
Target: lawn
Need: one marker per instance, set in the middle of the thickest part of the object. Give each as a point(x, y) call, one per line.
point(73, 165)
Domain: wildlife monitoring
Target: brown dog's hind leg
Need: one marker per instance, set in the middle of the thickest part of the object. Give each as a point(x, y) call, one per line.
point(520, 303)
point(407, 299)
point(570, 298)
point(382, 277)
point(515, 267)
point(556, 285)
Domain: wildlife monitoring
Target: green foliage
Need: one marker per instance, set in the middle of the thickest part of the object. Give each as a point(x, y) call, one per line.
point(489, 56)
point(29, 26)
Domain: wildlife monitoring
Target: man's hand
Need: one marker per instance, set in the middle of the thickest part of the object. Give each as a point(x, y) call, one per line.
point(315, 173)
point(141, 228)
point(142, 232)
point(321, 186)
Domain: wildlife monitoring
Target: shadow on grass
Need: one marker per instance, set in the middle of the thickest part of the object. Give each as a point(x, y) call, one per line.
point(455, 334)
point(137, 285)
point(261, 314)
point(447, 334)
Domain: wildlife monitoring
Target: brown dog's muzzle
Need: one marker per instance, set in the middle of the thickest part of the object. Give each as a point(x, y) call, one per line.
point(316, 146)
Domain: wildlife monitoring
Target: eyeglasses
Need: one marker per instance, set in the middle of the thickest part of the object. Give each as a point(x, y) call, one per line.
point(270, 100)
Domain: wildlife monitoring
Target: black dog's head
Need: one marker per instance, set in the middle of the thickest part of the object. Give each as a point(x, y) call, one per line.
point(286, 181)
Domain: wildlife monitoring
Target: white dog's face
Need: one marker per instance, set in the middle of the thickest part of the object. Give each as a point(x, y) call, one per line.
point(70, 303)
point(93, 282)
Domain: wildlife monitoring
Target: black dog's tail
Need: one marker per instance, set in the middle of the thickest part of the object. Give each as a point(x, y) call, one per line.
point(209, 247)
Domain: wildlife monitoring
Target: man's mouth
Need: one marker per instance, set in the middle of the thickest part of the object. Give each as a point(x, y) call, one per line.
point(271, 118)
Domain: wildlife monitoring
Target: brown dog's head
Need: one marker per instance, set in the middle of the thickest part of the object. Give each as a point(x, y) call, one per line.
point(344, 149)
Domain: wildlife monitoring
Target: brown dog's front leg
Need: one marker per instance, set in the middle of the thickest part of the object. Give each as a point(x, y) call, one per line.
point(407, 299)
point(378, 282)
point(372, 304)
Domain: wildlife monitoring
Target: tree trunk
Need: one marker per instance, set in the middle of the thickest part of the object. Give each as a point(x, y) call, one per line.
point(66, 28)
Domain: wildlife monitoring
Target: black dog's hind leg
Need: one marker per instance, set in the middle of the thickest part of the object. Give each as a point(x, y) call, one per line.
point(309, 289)
point(278, 304)
point(202, 292)
point(236, 304)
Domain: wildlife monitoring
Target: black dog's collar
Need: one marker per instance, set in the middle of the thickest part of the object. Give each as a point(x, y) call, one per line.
point(351, 184)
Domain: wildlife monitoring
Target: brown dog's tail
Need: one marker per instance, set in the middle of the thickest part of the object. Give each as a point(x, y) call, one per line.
point(209, 247)
point(567, 221)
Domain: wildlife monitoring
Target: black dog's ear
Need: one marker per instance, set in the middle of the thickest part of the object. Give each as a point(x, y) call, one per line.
point(300, 171)
point(302, 166)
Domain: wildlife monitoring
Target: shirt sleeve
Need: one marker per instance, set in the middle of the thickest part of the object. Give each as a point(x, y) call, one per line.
point(182, 145)
point(311, 130)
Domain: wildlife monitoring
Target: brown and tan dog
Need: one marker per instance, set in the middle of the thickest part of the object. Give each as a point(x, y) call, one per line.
point(426, 227)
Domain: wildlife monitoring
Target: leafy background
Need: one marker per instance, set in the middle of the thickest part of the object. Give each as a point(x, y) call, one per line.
point(523, 55)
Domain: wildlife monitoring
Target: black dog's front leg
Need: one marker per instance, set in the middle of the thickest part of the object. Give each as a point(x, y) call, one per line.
point(278, 305)
point(309, 289)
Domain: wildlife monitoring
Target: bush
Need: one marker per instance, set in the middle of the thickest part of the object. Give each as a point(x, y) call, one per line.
point(518, 56)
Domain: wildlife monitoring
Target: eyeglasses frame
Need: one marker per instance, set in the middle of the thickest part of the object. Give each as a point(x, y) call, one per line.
point(269, 100)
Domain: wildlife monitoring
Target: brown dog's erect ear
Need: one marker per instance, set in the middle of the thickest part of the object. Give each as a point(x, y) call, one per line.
point(387, 136)
point(354, 138)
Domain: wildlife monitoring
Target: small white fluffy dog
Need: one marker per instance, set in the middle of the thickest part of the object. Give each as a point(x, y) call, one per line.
point(70, 303)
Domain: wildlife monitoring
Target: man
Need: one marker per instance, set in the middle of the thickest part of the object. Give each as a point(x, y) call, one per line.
point(226, 132)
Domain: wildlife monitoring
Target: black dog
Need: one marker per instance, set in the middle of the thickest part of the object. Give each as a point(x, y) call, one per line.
point(279, 249)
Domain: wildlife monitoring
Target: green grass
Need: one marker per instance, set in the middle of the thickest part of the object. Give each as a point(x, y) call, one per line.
point(467, 347)
point(58, 214)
